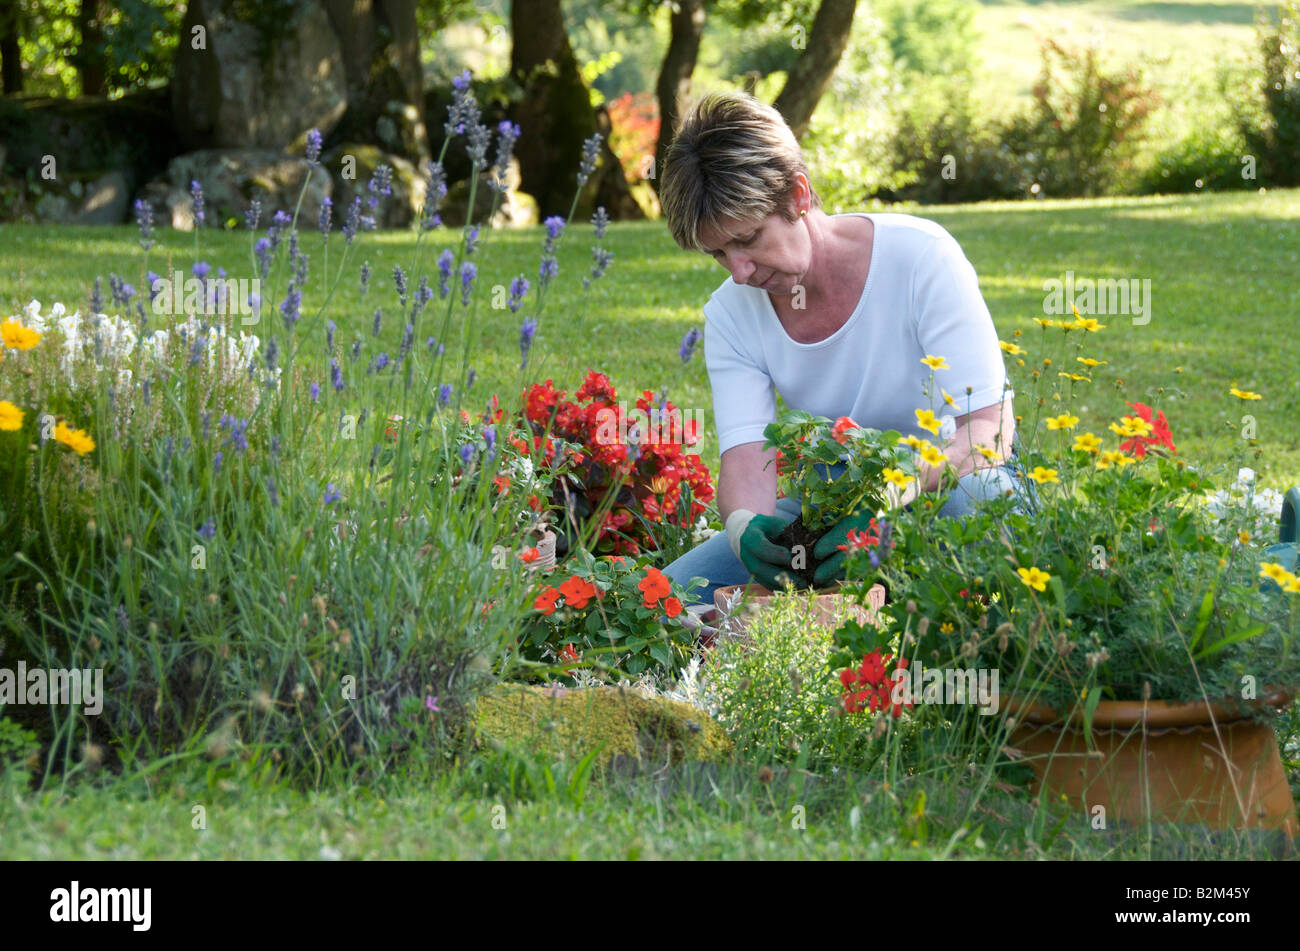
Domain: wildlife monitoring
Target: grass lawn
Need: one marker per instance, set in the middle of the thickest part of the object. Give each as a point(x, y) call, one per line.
point(1222, 271)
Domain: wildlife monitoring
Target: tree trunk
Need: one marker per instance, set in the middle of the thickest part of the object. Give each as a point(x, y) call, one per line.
point(89, 57)
point(555, 116)
point(815, 66)
point(687, 26)
point(380, 40)
point(11, 63)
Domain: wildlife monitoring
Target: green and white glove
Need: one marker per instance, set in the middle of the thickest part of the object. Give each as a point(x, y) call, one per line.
point(830, 560)
point(750, 536)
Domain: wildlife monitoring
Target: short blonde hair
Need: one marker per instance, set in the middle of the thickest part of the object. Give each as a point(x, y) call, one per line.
point(732, 157)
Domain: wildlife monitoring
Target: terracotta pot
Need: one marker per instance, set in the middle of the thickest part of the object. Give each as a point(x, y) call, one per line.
point(829, 609)
point(1193, 762)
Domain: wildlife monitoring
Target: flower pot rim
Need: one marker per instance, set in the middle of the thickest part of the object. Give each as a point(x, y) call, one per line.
point(1155, 713)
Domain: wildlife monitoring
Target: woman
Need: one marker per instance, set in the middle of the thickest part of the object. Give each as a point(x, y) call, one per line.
point(835, 313)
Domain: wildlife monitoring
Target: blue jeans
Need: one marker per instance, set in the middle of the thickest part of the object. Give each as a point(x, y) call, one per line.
point(714, 560)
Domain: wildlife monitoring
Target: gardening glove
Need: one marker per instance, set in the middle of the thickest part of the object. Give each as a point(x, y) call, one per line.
point(830, 560)
point(750, 536)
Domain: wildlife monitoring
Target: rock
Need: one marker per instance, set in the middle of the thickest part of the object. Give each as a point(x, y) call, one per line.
point(351, 166)
point(106, 201)
point(232, 178)
point(267, 74)
point(516, 209)
point(52, 208)
point(574, 721)
point(400, 129)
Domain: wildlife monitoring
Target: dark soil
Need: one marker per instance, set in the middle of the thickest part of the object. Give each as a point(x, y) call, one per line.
point(797, 534)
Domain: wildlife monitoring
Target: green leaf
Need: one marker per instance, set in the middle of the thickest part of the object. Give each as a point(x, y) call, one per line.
point(1203, 618)
point(661, 653)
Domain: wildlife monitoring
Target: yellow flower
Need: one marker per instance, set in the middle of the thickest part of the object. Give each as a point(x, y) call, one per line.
point(1041, 475)
point(18, 337)
point(1089, 324)
point(1244, 394)
point(1275, 572)
point(947, 398)
point(935, 363)
point(1292, 585)
point(986, 452)
point(1243, 536)
point(914, 442)
point(1044, 322)
point(933, 456)
point(1011, 348)
point(925, 419)
point(11, 417)
point(1090, 362)
point(1064, 421)
point(1076, 377)
point(1086, 442)
point(946, 627)
point(1131, 426)
point(78, 440)
point(896, 476)
point(1034, 578)
point(1113, 458)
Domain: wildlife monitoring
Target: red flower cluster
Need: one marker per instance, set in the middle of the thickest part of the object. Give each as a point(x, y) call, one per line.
point(654, 588)
point(577, 593)
point(860, 539)
point(598, 433)
point(1160, 433)
point(871, 686)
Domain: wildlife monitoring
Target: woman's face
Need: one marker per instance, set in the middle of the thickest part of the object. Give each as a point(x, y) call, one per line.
point(772, 254)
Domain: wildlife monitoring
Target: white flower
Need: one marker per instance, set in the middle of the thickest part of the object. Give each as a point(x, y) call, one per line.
point(701, 532)
point(947, 429)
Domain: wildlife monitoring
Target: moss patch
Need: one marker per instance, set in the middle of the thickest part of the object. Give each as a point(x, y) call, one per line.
point(575, 721)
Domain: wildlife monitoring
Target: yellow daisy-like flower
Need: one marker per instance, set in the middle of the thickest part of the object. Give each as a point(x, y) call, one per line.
point(925, 419)
point(897, 476)
point(1274, 572)
point(1034, 578)
point(1011, 348)
point(1292, 585)
point(946, 627)
point(1090, 362)
point(1045, 322)
point(914, 442)
point(1244, 394)
point(935, 363)
point(933, 457)
point(1064, 421)
point(1130, 427)
point(1243, 536)
point(18, 337)
point(1086, 442)
point(11, 417)
point(947, 398)
point(1077, 377)
point(1113, 457)
point(1089, 324)
point(1042, 475)
point(78, 440)
point(986, 452)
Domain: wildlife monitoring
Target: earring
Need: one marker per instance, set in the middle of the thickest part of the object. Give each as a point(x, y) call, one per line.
point(804, 212)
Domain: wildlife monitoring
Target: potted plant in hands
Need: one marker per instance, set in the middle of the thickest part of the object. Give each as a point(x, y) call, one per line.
point(836, 514)
point(1139, 659)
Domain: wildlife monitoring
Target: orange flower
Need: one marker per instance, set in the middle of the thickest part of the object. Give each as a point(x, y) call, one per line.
point(546, 601)
point(568, 654)
point(653, 587)
point(534, 503)
point(529, 555)
point(672, 606)
point(503, 485)
point(577, 592)
point(841, 428)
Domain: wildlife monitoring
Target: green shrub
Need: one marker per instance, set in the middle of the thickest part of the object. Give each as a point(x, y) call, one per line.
point(1270, 124)
point(1207, 158)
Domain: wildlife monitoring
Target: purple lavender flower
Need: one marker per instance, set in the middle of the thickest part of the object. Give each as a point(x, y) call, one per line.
point(323, 223)
point(237, 431)
point(196, 202)
point(469, 380)
point(253, 215)
point(262, 250)
point(526, 333)
point(201, 270)
point(518, 288)
point(208, 529)
point(353, 221)
point(431, 342)
point(471, 240)
point(291, 309)
point(196, 356)
point(507, 136)
point(687, 349)
point(600, 221)
point(554, 229)
point(381, 183)
point(216, 462)
point(279, 221)
point(602, 257)
point(356, 349)
point(336, 375)
point(462, 101)
point(467, 274)
point(271, 355)
point(435, 190)
point(270, 491)
point(547, 270)
point(445, 262)
point(380, 362)
point(97, 301)
point(399, 282)
point(444, 394)
point(466, 454)
point(331, 494)
point(314, 391)
point(330, 328)
point(490, 438)
point(408, 338)
point(144, 220)
point(365, 276)
point(379, 316)
point(590, 151)
point(153, 279)
point(479, 139)
point(461, 82)
point(314, 142)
